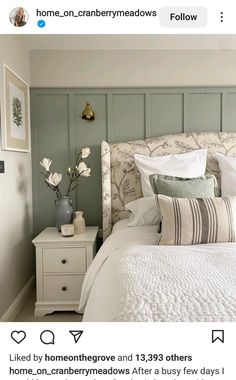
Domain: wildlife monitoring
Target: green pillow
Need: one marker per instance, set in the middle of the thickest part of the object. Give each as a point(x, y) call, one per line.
point(178, 187)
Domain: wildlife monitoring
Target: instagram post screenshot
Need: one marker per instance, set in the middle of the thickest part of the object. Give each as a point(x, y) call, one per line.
point(117, 190)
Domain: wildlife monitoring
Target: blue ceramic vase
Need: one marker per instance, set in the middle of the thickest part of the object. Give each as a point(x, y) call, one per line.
point(63, 211)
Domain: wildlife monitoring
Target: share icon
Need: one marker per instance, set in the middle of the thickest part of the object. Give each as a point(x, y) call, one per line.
point(76, 334)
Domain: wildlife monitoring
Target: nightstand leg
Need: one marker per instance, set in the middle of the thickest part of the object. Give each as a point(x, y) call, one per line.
point(40, 312)
point(78, 312)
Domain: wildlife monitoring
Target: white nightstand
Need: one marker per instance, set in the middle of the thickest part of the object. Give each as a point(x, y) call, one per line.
point(61, 264)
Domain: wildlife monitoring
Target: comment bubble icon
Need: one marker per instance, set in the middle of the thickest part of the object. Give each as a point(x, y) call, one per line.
point(47, 337)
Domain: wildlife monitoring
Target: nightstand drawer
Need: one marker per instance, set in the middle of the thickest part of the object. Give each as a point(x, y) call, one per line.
point(64, 260)
point(62, 288)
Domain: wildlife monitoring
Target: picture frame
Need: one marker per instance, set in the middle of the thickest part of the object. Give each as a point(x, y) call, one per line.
point(15, 118)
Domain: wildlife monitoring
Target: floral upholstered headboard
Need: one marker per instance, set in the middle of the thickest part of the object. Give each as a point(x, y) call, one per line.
point(121, 180)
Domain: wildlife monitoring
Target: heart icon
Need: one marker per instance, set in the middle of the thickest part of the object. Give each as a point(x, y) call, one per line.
point(18, 336)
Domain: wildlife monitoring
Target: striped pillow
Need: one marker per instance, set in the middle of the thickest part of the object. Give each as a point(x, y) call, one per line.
point(187, 221)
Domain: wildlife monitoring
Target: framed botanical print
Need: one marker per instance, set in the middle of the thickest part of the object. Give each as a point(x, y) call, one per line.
point(15, 114)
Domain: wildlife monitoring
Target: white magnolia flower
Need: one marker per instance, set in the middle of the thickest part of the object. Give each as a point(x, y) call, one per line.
point(86, 173)
point(85, 152)
point(54, 179)
point(81, 167)
point(46, 162)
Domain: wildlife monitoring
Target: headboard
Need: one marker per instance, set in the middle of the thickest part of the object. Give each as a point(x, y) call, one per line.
point(121, 180)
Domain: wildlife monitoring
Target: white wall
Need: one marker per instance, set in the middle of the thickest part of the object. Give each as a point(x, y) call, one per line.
point(16, 254)
point(127, 68)
point(130, 41)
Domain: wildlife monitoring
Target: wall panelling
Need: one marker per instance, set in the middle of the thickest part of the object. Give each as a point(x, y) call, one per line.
point(58, 132)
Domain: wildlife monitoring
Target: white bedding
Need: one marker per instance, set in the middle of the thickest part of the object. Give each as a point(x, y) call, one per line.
point(133, 279)
point(122, 224)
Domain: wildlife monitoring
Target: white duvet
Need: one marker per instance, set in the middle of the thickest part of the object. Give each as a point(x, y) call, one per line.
point(133, 279)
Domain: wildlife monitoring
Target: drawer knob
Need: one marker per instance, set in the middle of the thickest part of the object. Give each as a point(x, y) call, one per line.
point(64, 288)
point(63, 261)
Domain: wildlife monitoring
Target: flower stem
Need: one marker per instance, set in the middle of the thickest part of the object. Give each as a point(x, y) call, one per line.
point(74, 176)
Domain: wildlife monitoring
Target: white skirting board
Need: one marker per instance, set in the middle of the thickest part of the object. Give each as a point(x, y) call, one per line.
point(17, 304)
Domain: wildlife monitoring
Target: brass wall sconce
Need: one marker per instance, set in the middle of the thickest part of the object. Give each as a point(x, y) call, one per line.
point(88, 113)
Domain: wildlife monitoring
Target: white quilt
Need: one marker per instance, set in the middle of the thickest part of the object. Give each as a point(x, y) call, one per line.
point(132, 279)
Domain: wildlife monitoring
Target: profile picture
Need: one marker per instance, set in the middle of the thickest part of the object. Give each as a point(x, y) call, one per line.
point(19, 17)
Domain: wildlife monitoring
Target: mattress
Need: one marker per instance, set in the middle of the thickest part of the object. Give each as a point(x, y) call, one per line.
point(134, 279)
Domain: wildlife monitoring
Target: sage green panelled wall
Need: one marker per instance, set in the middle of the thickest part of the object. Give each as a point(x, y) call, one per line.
point(58, 131)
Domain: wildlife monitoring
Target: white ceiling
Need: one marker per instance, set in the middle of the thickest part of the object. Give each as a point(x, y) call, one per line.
point(111, 42)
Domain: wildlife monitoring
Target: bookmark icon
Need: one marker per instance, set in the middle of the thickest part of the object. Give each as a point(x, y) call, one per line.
point(76, 334)
point(218, 335)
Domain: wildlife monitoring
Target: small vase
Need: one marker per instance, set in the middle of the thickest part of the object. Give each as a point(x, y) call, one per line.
point(63, 212)
point(79, 222)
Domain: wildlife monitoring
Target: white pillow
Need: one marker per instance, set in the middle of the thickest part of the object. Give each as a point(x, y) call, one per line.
point(144, 212)
point(185, 165)
point(228, 174)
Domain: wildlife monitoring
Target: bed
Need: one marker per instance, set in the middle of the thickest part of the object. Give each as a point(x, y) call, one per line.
point(132, 278)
